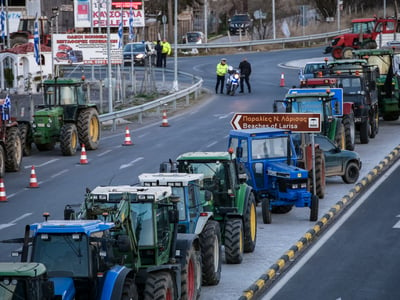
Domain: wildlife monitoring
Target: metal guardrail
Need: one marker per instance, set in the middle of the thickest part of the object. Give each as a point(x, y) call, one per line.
point(140, 109)
point(195, 88)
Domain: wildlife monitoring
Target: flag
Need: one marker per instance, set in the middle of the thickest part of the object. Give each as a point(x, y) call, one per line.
point(36, 42)
point(131, 34)
point(2, 20)
point(5, 108)
point(120, 31)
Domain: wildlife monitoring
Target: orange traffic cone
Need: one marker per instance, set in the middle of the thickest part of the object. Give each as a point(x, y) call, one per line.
point(33, 180)
point(3, 196)
point(164, 119)
point(127, 141)
point(83, 159)
point(282, 83)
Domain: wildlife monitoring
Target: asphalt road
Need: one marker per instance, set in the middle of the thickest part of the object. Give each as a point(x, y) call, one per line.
point(358, 257)
point(205, 127)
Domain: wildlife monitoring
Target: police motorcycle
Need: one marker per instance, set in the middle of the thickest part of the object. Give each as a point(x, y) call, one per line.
point(233, 81)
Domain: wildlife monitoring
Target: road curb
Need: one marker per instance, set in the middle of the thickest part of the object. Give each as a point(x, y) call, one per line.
point(266, 279)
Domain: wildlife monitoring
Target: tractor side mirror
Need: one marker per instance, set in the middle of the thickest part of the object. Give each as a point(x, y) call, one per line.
point(69, 213)
point(239, 152)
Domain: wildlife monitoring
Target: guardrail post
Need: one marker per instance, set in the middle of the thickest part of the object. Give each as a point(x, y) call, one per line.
point(140, 118)
point(187, 100)
point(174, 104)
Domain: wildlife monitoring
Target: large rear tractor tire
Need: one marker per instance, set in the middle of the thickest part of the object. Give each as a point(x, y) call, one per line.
point(250, 224)
point(129, 290)
point(364, 132)
point(340, 139)
point(234, 241)
point(159, 286)
point(2, 161)
point(89, 128)
point(320, 179)
point(191, 275)
point(26, 138)
point(265, 211)
point(349, 131)
point(210, 243)
point(68, 139)
point(314, 208)
point(13, 150)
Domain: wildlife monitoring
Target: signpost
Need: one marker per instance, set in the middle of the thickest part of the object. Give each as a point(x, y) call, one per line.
point(298, 122)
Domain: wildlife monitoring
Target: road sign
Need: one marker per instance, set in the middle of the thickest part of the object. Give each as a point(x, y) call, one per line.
point(337, 99)
point(296, 122)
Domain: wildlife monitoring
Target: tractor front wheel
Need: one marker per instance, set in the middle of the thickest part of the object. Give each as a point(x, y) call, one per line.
point(159, 285)
point(234, 241)
point(349, 131)
point(364, 132)
point(13, 149)
point(2, 161)
point(347, 53)
point(320, 179)
point(250, 224)
point(26, 138)
point(266, 212)
point(89, 128)
point(210, 243)
point(374, 125)
point(68, 139)
point(337, 52)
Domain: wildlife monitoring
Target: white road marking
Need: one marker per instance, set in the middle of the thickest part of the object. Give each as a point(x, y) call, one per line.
point(131, 163)
point(212, 144)
point(397, 225)
point(59, 173)
point(13, 222)
point(43, 164)
point(104, 153)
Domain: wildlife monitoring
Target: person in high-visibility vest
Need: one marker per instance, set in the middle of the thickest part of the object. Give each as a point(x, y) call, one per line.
point(166, 50)
point(221, 70)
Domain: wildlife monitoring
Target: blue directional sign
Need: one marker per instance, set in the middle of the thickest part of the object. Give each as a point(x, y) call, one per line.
point(336, 103)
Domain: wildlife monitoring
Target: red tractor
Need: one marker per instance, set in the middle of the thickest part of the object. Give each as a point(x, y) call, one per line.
point(26, 29)
point(366, 33)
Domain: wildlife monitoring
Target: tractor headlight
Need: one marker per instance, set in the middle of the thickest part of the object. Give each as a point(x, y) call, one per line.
point(303, 185)
point(295, 186)
point(48, 125)
point(34, 125)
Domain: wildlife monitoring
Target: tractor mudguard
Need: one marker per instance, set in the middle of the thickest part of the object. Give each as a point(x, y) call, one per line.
point(348, 108)
point(113, 283)
point(202, 221)
point(64, 287)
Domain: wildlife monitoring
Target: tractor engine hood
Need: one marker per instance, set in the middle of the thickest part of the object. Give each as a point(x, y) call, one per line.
point(283, 170)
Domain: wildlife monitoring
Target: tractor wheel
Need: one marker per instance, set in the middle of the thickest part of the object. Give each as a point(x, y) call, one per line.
point(319, 174)
point(68, 139)
point(129, 290)
point(210, 243)
point(13, 150)
point(340, 135)
point(351, 173)
point(191, 275)
point(24, 130)
point(234, 241)
point(337, 52)
point(370, 45)
point(89, 128)
point(314, 208)
point(390, 117)
point(2, 161)
point(347, 52)
point(160, 286)
point(266, 212)
point(45, 147)
point(364, 132)
point(281, 209)
point(349, 131)
point(250, 224)
point(374, 125)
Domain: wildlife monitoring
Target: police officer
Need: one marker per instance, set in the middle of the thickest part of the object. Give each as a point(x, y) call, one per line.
point(221, 70)
point(245, 71)
point(166, 50)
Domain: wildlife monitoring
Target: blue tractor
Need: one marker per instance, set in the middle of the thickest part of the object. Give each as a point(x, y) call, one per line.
point(269, 158)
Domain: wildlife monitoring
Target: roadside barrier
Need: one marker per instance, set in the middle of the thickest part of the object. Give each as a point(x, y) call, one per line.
point(259, 286)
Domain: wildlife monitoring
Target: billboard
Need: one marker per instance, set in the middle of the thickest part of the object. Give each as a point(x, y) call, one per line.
point(87, 48)
point(94, 12)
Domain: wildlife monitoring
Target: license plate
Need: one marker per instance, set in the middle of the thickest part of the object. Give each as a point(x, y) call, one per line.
point(40, 125)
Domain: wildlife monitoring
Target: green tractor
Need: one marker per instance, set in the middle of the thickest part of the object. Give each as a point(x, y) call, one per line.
point(24, 280)
point(233, 203)
point(388, 81)
point(66, 117)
